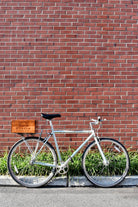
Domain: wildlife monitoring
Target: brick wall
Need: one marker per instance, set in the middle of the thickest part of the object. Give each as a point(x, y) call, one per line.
point(78, 58)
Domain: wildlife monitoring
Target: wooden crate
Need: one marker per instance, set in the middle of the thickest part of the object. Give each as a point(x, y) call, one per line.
point(23, 126)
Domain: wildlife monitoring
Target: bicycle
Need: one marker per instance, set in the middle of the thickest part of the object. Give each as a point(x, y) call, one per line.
point(33, 161)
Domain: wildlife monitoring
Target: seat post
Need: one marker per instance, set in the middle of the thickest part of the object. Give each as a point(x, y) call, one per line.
point(51, 125)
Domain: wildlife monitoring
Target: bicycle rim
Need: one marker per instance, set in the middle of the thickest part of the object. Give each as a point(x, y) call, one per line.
point(100, 174)
point(21, 167)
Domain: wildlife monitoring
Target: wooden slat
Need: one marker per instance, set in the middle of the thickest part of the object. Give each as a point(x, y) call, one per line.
point(23, 126)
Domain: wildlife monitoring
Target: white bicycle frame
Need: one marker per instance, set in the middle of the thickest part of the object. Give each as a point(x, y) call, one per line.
point(64, 164)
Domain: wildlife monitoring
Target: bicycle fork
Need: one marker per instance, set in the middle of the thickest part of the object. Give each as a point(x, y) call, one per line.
point(105, 161)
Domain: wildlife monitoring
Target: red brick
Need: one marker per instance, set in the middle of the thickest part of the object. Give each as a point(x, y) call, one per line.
point(74, 58)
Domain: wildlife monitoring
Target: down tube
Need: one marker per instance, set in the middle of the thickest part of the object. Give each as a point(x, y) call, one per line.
point(77, 150)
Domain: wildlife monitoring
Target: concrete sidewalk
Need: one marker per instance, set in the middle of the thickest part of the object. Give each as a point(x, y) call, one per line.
point(71, 182)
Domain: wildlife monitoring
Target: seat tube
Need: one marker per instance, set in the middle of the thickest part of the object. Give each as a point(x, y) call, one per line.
point(55, 140)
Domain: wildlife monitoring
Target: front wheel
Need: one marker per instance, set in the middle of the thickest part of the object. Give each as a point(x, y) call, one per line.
point(32, 162)
point(105, 175)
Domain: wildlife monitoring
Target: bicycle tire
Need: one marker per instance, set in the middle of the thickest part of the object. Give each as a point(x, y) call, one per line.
point(96, 171)
point(26, 173)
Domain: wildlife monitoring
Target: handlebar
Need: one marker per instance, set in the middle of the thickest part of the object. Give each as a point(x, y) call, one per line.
point(98, 120)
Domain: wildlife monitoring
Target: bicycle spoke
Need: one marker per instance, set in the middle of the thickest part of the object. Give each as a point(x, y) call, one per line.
point(22, 158)
point(110, 174)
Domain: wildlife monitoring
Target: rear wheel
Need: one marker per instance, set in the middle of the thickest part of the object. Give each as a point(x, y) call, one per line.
point(27, 167)
point(105, 175)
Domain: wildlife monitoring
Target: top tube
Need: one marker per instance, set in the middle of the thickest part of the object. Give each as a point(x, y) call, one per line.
point(74, 132)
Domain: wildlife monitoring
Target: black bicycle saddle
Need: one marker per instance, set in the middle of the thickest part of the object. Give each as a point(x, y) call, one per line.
point(50, 116)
